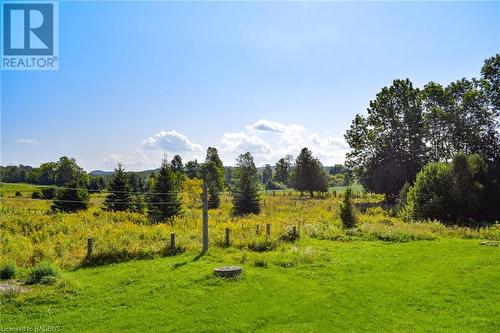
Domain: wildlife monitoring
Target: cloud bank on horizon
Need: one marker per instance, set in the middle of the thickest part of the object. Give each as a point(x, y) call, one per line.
point(266, 140)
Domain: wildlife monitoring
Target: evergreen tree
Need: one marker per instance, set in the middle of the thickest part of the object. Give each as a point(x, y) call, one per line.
point(119, 198)
point(213, 175)
point(347, 212)
point(193, 169)
point(70, 199)
point(308, 174)
point(177, 165)
point(164, 201)
point(267, 174)
point(282, 170)
point(246, 198)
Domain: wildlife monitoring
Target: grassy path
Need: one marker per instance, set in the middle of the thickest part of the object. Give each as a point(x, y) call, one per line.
point(448, 285)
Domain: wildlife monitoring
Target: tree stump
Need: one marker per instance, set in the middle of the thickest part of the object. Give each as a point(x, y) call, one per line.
point(228, 271)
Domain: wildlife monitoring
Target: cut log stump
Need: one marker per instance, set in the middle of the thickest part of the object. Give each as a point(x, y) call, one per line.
point(228, 271)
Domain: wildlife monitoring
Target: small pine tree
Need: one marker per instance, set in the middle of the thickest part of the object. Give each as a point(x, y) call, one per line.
point(119, 197)
point(137, 204)
point(246, 198)
point(164, 202)
point(213, 175)
point(70, 199)
point(347, 213)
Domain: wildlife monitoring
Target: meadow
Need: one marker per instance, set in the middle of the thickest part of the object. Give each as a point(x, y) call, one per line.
point(386, 274)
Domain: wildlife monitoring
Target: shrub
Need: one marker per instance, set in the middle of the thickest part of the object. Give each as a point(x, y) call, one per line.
point(448, 192)
point(347, 213)
point(260, 263)
point(48, 193)
point(7, 271)
point(262, 246)
point(71, 199)
point(43, 273)
point(18, 194)
point(36, 194)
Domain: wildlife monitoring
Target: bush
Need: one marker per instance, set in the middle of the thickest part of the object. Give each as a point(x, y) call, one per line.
point(7, 271)
point(71, 199)
point(449, 192)
point(48, 193)
point(18, 194)
point(262, 246)
point(260, 263)
point(43, 273)
point(347, 213)
point(36, 194)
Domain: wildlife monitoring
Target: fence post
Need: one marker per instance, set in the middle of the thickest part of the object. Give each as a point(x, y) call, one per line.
point(268, 230)
point(257, 229)
point(227, 237)
point(205, 218)
point(294, 232)
point(172, 241)
point(90, 244)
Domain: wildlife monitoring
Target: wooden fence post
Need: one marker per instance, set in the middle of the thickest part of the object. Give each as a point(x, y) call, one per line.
point(205, 219)
point(227, 237)
point(294, 232)
point(172, 241)
point(90, 245)
point(268, 230)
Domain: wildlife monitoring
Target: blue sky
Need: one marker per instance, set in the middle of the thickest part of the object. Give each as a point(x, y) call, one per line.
point(138, 80)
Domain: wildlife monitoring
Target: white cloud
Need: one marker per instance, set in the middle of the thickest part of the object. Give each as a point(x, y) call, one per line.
point(26, 141)
point(316, 139)
point(137, 161)
point(171, 141)
point(268, 141)
point(242, 142)
point(266, 126)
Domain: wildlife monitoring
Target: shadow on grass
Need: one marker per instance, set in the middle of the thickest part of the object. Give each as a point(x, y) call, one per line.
point(120, 256)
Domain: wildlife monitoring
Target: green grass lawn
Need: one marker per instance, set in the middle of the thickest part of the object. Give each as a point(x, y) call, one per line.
point(446, 285)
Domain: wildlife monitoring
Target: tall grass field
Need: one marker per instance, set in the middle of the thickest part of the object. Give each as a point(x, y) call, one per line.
point(384, 275)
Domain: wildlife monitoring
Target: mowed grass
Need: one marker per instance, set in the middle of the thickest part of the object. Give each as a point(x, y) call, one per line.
point(310, 286)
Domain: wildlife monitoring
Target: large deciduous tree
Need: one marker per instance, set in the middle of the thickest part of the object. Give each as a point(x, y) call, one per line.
point(387, 147)
point(406, 128)
point(67, 171)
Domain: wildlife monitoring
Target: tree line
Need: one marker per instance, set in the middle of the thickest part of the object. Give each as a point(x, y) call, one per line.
point(409, 130)
point(159, 195)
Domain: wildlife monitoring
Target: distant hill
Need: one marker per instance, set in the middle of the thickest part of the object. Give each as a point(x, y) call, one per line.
point(100, 173)
point(108, 174)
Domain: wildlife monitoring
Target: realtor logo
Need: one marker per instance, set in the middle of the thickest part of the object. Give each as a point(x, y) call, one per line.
point(30, 35)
